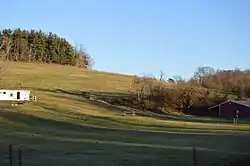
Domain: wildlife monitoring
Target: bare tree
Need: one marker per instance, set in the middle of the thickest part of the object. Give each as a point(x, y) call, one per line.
point(179, 79)
point(162, 76)
point(83, 58)
point(203, 73)
point(2, 43)
point(184, 98)
point(5, 47)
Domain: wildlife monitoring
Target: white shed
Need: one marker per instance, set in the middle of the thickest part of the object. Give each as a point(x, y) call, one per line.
point(14, 95)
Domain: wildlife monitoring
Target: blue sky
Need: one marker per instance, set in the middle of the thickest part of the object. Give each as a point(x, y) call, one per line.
point(144, 36)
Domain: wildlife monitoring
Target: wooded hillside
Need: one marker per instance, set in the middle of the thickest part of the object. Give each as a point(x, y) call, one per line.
point(206, 88)
point(37, 46)
point(234, 81)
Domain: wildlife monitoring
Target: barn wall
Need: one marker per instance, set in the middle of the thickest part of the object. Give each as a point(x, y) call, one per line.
point(227, 110)
point(214, 112)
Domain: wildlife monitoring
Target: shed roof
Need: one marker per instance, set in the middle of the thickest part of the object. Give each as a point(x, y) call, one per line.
point(244, 103)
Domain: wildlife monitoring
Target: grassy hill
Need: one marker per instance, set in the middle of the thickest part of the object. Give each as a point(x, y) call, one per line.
point(64, 128)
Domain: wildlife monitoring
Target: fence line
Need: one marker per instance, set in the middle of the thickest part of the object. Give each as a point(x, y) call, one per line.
point(194, 157)
point(19, 155)
point(10, 155)
point(20, 152)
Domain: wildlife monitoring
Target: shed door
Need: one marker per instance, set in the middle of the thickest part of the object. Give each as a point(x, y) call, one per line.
point(18, 95)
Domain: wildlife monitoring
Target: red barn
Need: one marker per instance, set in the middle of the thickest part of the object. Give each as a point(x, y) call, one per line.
point(227, 109)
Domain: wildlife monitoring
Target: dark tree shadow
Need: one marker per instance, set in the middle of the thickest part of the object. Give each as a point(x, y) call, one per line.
point(82, 96)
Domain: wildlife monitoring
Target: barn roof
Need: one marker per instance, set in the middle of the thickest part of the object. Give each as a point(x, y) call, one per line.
point(244, 103)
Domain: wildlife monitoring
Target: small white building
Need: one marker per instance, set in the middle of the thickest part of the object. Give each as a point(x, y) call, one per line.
point(14, 95)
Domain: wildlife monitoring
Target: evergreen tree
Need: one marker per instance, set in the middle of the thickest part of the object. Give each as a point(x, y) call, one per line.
point(36, 46)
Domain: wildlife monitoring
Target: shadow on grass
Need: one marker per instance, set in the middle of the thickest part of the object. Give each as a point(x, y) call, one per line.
point(49, 126)
point(42, 124)
point(113, 122)
point(72, 135)
point(45, 140)
point(81, 96)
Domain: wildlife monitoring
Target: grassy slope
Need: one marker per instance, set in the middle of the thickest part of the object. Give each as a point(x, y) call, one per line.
point(66, 129)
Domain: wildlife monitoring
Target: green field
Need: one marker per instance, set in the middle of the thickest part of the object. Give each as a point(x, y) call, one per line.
point(63, 128)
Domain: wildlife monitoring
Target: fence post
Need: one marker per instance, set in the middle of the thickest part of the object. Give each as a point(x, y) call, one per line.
point(20, 155)
point(10, 155)
point(194, 156)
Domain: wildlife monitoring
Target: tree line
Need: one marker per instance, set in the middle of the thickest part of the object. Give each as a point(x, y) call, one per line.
point(236, 81)
point(37, 46)
point(205, 88)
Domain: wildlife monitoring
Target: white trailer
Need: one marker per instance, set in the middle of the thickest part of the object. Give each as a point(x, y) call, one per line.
point(15, 95)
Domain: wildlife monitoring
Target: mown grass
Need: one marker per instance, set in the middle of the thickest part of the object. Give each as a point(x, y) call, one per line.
point(64, 128)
